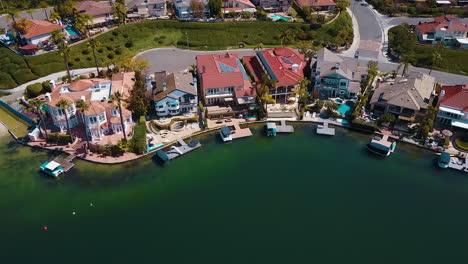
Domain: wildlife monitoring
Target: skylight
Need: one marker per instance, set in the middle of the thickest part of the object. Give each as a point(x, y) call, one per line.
point(225, 68)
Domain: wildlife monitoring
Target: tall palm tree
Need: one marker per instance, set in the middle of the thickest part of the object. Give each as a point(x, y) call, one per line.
point(286, 37)
point(120, 11)
point(82, 22)
point(64, 105)
point(54, 15)
point(435, 60)
point(56, 36)
point(65, 52)
point(83, 106)
point(36, 105)
point(12, 15)
point(302, 92)
point(93, 44)
point(117, 100)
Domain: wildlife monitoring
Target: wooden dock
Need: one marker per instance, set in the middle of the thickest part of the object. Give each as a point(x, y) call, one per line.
point(65, 161)
point(325, 130)
point(239, 132)
point(460, 164)
point(182, 149)
point(283, 128)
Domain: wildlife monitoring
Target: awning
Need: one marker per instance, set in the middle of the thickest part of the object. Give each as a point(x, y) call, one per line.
point(460, 124)
point(52, 165)
point(29, 47)
point(406, 118)
point(228, 99)
point(451, 110)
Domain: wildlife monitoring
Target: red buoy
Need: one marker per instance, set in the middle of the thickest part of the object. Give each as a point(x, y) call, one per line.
point(45, 228)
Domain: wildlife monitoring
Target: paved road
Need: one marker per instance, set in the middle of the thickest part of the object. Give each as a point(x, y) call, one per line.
point(37, 14)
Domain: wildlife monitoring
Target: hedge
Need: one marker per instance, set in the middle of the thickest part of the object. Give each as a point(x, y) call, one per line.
point(57, 138)
point(33, 90)
point(362, 125)
point(139, 138)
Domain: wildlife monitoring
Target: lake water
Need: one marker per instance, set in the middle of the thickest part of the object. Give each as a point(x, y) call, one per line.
point(297, 198)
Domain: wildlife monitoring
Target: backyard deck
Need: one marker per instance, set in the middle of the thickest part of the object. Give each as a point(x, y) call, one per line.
point(239, 132)
point(325, 130)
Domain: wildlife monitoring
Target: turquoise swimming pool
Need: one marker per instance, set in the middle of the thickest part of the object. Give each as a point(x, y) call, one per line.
point(346, 108)
point(276, 17)
point(72, 31)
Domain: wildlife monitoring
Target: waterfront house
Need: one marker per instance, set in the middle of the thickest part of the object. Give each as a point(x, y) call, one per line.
point(274, 5)
point(453, 106)
point(322, 5)
point(101, 11)
point(283, 65)
point(223, 80)
point(184, 12)
point(102, 119)
point(406, 97)
point(174, 94)
point(38, 32)
point(334, 76)
point(448, 29)
point(146, 8)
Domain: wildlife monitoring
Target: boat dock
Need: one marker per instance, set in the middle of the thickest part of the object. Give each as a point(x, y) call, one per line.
point(177, 151)
point(239, 132)
point(460, 164)
point(65, 161)
point(325, 129)
point(283, 128)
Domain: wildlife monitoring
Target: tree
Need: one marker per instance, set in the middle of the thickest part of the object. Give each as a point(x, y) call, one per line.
point(93, 44)
point(55, 16)
point(137, 101)
point(401, 39)
point(405, 62)
point(12, 15)
point(303, 92)
point(117, 100)
point(259, 46)
point(436, 58)
point(64, 105)
point(286, 37)
point(215, 7)
point(127, 63)
point(37, 106)
point(263, 92)
point(342, 4)
point(198, 8)
point(65, 52)
point(57, 36)
point(83, 21)
point(261, 14)
point(306, 48)
point(120, 12)
point(386, 118)
point(83, 106)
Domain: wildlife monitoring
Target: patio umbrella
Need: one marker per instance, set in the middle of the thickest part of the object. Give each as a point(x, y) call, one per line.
point(447, 133)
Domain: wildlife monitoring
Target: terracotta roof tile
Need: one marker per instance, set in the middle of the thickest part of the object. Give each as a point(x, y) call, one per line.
point(316, 3)
point(455, 96)
point(40, 27)
point(94, 8)
point(280, 61)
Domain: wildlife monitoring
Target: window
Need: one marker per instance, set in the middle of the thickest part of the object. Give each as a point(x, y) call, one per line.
point(92, 120)
point(102, 117)
point(161, 106)
point(213, 91)
point(342, 83)
point(229, 89)
point(115, 112)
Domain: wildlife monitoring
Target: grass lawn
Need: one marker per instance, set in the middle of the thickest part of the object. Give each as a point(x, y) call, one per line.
point(453, 61)
point(134, 38)
point(462, 143)
point(15, 124)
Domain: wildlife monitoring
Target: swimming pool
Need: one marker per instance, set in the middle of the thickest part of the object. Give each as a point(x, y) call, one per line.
point(346, 108)
point(276, 17)
point(338, 101)
point(72, 31)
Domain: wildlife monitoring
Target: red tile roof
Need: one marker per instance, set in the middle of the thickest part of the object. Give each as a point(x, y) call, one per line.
point(246, 2)
point(281, 60)
point(455, 96)
point(40, 27)
point(316, 3)
point(212, 76)
point(254, 67)
point(94, 8)
point(442, 23)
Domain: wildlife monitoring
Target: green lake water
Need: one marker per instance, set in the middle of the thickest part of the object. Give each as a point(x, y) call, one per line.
point(297, 198)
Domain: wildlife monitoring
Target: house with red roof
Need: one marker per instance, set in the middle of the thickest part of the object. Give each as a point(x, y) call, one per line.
point(102, 119)
point(238, 6)
point(283, 65)
point(101, 11)
point(317, 4)
point(453, 106)
point(449, 29)
point(224, 81)
point(274, 5)
point(39, 31)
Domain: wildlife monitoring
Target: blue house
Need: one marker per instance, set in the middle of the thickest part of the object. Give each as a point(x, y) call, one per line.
point(336, 77)
point(184, 12)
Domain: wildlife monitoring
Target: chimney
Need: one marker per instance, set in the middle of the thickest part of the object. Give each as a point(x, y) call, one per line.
point(442, 93)
point(47, 97)
point(52, 85)
point(164, 85)
point(295, 67)
point(83, 98)
point(149, 86)
point(337, 66)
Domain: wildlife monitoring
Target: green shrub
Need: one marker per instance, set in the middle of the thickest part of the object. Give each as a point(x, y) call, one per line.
point(6, 81)
point(118, 50)
point(46, 86)
point(109, 48)
point(100, 50)
point(85, 52)
point(362, 125)
point(77, 59)
point(115, 33)
point(33, 90)
point(61, 139)
point(129, 43)
point(110, 56)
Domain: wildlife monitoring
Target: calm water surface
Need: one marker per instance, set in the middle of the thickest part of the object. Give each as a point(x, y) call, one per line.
point(295, 198)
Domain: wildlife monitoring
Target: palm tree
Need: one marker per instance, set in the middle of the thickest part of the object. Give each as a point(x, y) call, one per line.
point(302, 92)
point(286, 36)
point(12, 14)
point(120, 11)
point(55, 15)
point(82, 22)
point(435, 60)
point(57, 36)
point(36, 105)
point(306, 48)
point(93, 44)
point(65, 52)
point(263, 91)
point(117, 99)
point(64, 105)
point(259, 46)
point(82, 106)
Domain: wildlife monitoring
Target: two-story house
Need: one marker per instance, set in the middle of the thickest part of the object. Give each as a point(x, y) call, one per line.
point(449, 29)
point(283, 65)
point(146, 8)
point(334, 76)
point(407, 97)
point(453, 106)
point(101, 11)
point(174, 94)
point(317, 4)
point(238, 6)
point(274, 5)
point(183, 11)
point(103, 117)
point(38, 32)
point(224, 81)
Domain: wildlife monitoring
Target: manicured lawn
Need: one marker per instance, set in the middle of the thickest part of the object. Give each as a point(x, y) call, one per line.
point(454, 61)
point(134, 38)
point(14, 123)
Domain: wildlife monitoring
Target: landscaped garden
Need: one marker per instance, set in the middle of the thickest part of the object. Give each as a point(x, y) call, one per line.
point(133, 38)
point(427, 8)
point(403, 41)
